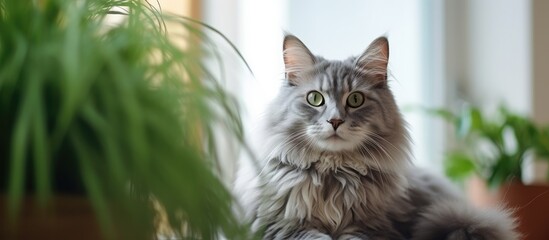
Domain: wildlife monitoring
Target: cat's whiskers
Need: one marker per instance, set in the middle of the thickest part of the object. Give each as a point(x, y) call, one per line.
point(289, 145)
point(278, 151)
point(376, 161)
point(287, 141)
point(379, 137)
point(305, 148)
point(373, 139)
point(402, 151)
point(380, 149)
point(366, 153)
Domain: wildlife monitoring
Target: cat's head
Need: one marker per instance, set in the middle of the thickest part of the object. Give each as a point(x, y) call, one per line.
point(338, 106)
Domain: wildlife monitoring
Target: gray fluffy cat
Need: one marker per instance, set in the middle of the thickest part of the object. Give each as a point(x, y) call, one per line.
point(336, 162)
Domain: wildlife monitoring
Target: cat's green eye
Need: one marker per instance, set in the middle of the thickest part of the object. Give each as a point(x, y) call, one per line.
point(355, 99)
point(315, 98)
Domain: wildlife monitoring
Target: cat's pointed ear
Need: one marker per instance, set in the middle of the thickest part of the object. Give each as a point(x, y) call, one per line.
point(373, 62)
point(297, 58)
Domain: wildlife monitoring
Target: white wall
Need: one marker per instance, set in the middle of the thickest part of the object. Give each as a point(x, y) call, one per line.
point(223, 15)
point(488, 52)
point(499, 58)
point(261, 33)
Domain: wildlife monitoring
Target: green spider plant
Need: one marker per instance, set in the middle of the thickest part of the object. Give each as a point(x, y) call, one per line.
point(493, 147)
point(120, 115)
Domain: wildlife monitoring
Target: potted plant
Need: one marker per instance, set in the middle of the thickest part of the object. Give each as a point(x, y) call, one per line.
point(494, 150)
point(99, 125)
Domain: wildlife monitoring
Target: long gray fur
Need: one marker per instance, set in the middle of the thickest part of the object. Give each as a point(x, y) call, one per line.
point(361, 185)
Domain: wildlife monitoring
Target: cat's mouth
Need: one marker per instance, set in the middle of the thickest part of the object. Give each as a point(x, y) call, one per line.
point(336, 142)
point(334, 137)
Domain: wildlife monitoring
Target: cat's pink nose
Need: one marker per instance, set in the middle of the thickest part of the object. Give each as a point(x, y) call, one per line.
point(336, 122)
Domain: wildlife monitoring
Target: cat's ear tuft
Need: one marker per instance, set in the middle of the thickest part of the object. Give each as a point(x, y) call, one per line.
point(373, 62)
point(297, 58)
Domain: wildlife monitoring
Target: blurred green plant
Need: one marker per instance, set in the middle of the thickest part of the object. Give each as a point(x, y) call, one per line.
point(117, 114)
point(493, 148)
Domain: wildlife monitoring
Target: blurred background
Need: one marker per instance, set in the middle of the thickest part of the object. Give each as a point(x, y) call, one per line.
point(444, 54)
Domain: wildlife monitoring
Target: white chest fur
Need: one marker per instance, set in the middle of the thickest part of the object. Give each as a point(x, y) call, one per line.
point(331, 193)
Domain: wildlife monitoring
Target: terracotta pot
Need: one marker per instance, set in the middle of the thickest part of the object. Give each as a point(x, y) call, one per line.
point(66, 217)
point(530, 204)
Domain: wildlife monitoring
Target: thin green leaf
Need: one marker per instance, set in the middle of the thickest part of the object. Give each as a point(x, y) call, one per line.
point(93, 183)
point(470, 121)
point(458, 166)
point(19, 144)
point(502, 171)
point(40, 143)
point(477, 121)
point(542, 144)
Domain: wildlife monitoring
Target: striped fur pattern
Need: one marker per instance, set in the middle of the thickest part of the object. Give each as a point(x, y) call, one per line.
point(353, 181)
